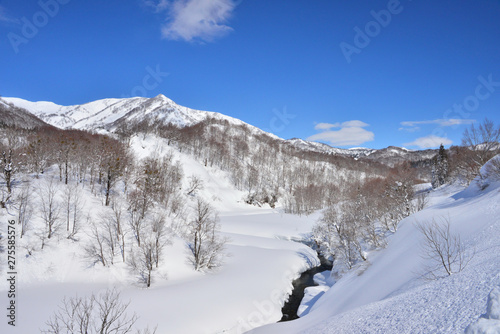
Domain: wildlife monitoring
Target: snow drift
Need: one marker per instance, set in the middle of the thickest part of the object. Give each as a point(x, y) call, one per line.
point(390, 295)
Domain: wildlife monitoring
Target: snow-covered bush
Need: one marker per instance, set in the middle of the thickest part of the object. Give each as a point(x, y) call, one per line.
point(489, 173)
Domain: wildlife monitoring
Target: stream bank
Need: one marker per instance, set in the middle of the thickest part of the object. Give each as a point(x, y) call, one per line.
point(305, 280)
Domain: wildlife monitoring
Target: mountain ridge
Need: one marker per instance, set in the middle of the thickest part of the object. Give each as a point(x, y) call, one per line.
point(108, 114)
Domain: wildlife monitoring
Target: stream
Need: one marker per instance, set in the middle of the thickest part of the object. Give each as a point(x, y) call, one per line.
point(305, 280)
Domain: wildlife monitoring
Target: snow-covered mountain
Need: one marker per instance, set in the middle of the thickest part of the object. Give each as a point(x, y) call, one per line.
point(356, 153)
point(108, 114)
point(384, 295)
point(11, 115)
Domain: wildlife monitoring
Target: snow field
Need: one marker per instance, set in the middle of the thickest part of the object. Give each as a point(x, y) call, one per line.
point(390, 295)
point(246, 292)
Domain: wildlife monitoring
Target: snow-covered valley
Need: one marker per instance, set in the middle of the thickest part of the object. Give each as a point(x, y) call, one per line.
point(388, 292)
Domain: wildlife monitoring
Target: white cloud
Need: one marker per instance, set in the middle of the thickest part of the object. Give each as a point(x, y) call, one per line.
point(354, 124)
point(159, 6)
point(326, 126)
point(192, 20)
point(440, 122)
point(413, 129)
point(351, 133)
point(430, 141)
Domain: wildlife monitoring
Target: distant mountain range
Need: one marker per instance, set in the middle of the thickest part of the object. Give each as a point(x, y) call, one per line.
point(108, 114)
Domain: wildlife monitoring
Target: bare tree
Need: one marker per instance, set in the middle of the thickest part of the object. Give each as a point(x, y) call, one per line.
point(116, 218)
point(25, 208)
point(73, 206)
point(142, 262)
point(206, 246)
point(77, 204)
point(98, 248)
point(136, 219)
point(483, 142)
point(159, 236)
point(148, 257)
point(37, 153)
point(444, 248)
point(104, 313)
point(195, 184)
point(49, 206)
point(114, 160)
point(7, 174)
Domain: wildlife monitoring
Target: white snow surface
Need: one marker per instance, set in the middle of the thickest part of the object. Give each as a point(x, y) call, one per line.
point(101, 114)
point(246, 292)
point(488, 323)
point(389, 296)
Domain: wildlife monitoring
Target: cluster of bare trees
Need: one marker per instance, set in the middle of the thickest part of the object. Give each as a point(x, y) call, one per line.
point(479, 144)
point(364, 200)
point(79, 156)
point(366, 213)
point(46, 172)
point(103, 313)
point(206, 245)
point(267, 168)
point(138, 223)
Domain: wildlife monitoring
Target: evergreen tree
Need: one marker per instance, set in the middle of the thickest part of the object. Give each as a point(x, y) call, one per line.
point(440, 168)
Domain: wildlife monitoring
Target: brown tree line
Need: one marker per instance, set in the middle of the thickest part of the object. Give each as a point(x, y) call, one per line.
point(144, 204)
point(267, 168)
point(365, 213)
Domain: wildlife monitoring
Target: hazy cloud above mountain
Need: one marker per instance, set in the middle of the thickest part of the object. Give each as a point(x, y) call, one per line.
point(413, 126)
point(195, 20)
point(430, 141)
point(350, 133)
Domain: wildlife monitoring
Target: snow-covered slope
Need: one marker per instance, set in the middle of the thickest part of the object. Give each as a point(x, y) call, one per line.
point(11, 115)
point(246, 292)
point(390, 295)
point(104, 114)
point(324, 148)
point(107, 114)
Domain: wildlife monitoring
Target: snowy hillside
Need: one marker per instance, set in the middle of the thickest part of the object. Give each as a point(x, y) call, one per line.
point(95, 212)
point(390, 295)
point(108, 114)
point(11, 115)
point(104, 114)
point(320, 147)
point(264, 256)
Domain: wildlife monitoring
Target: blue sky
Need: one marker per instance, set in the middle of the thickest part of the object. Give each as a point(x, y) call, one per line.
point(348, 73)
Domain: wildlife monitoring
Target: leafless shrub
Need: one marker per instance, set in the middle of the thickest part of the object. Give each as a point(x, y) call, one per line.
point(104, 314)
point(195, 184)
point(444, 248)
